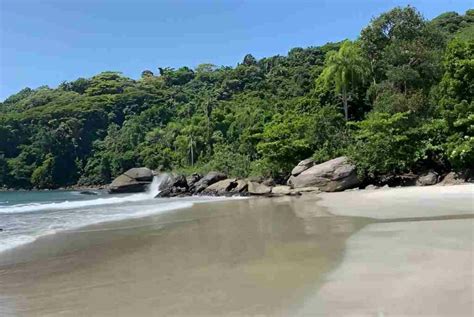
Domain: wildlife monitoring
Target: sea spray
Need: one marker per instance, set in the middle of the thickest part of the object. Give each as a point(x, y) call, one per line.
point(154, 187)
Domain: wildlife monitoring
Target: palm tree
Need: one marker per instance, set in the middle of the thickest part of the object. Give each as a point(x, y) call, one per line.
point(345, 69)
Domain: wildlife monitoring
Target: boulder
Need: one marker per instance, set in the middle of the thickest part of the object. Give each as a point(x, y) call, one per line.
point(172, 185)
point(241, 186)
point(427, 179)
point(222, 187)
point(193, 179)
point(141, 174)
point(126, 184)
point(371, 187)
point(258, 189)
point(269, 182)
point(335, 175)
point(305, 190)
point(209, 179)
point(281, 190)
point(453, 178)
point(302, 166)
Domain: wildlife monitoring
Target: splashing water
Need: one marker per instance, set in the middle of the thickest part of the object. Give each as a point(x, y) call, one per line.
point(154, 187)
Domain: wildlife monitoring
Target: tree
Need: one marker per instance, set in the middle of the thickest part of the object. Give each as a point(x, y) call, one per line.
point(457, 102)
point(344, 70)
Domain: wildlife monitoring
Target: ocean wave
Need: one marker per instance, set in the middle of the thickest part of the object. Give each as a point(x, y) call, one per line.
point(73, 223)
point(33, 207)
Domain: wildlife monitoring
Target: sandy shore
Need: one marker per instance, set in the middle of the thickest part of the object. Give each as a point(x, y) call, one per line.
point(416, 260)
point(368, 253)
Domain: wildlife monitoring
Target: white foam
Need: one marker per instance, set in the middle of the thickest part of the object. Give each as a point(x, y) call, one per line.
point(22, 208)
point(86, 219)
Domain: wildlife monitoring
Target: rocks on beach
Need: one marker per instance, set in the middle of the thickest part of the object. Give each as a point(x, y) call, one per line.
point(338, 174)
point(427, 179)
point(335, 175)
point(132, 181)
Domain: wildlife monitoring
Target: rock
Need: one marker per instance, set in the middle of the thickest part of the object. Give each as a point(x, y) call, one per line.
point(193, 179)
point(302, 166)
point(453, 178)
point(141, 174)
point(305, 190)
point(241, 187)
point(172, 185)
point(269, 182)
point(221, 187)
point(281, 190)
point(209, 179)
point(371, 187)
point(427, 179)
point(335, 175)
point(132, 181)
point(88, 192)
point(258, 189)
point(126, 184)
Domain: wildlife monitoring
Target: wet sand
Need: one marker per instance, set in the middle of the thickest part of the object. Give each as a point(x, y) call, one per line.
point(244, 257)
point(402, 252)
point(416, 259)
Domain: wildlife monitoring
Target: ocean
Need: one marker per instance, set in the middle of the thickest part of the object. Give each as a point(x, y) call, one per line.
point(28, 215)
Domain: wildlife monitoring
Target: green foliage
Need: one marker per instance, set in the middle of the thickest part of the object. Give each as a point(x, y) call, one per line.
point(42, 176)
point(457, 102)
point(409, 107)
point(344, 70)
point(386, 143)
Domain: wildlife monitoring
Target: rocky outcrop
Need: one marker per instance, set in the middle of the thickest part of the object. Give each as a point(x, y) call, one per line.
point(240, 187)
point(427, 179)
point(302, 166)
point(281, 190)
point(172, 185)
point(335, 175)
point(132, 181)
point(140, 174)
point(193, 179)
point(221, 188)
point(203, 183)
point(453, 178)
point(258, 189)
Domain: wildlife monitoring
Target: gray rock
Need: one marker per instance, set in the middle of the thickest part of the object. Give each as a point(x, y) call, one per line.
point(305, 190)
point(241, 187)
point(281, 190)
point(269, 182)
point(141, 174)
point(209, 179)
point(302, 166)
point(172, 185)
point(371, 187)
point(193, 179)
point(427, 179)
point(126, 184)
point(453, 178)
point(335, 175)
point(221, 187)
point(258, 189)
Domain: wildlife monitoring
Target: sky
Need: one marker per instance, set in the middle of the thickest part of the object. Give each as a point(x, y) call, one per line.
point(44, 42)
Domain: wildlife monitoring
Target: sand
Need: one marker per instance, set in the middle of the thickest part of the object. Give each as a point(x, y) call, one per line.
point(368, 253)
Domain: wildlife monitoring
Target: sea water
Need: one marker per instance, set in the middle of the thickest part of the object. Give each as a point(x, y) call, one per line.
point(26, 216)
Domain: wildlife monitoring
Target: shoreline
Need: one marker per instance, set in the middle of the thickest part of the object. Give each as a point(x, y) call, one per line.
point(230, 257)
point(310, 254)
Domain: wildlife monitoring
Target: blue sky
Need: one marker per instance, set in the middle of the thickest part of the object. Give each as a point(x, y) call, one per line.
point(43, 42)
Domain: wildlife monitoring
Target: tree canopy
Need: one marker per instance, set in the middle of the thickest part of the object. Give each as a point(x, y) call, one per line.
point(405, 87)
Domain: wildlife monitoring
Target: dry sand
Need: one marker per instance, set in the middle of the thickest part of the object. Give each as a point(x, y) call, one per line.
point(267, 257)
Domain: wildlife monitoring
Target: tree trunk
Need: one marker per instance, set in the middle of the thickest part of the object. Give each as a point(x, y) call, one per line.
point(344, 101)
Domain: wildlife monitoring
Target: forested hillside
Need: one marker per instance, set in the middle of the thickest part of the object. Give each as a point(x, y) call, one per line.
point(397, 99)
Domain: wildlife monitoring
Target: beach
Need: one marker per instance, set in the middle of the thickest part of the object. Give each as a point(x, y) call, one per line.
point(392, 252)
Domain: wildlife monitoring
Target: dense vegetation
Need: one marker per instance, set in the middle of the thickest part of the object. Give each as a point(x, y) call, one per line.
point(398, 99)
